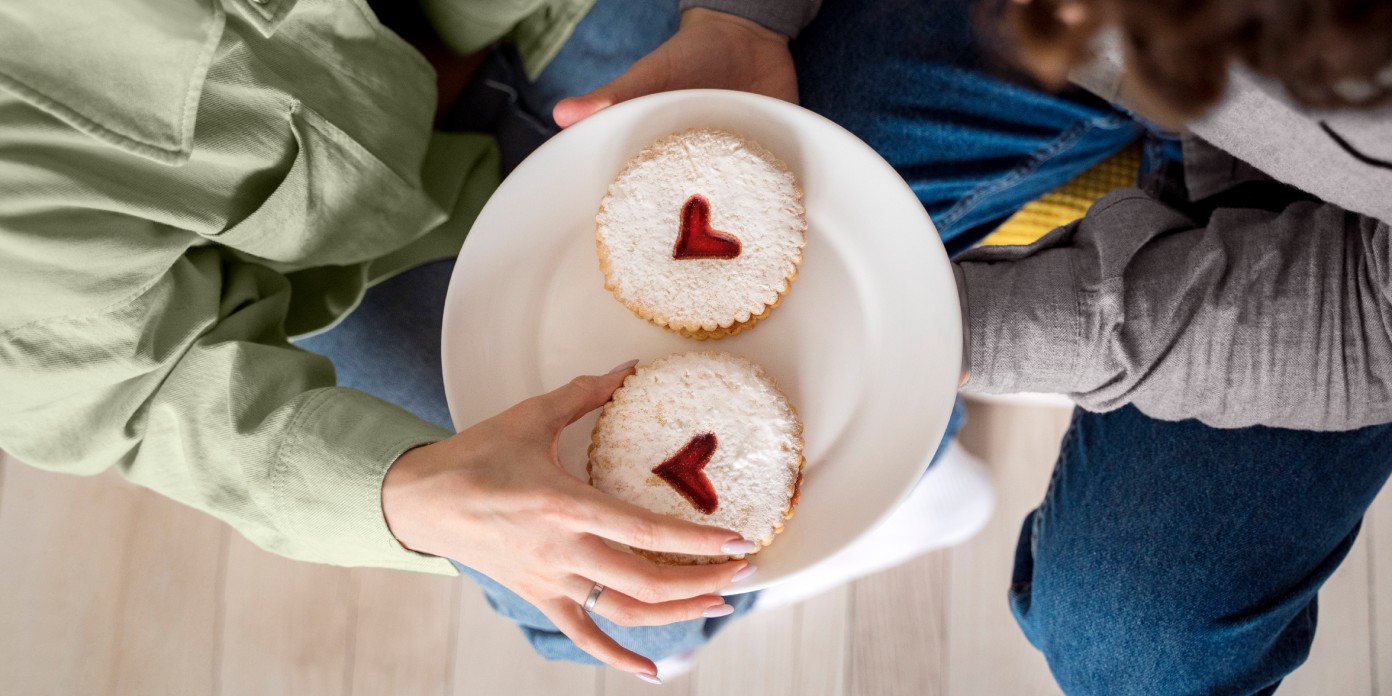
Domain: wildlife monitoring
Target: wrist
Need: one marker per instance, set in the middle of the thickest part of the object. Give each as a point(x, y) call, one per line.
point(961, 282)
point(400, 493)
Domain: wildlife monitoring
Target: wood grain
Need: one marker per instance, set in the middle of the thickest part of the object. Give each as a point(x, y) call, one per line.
point(756, 655)
point(404, 642)
point(824, 644)
point(898, 630)
point(492, 657)
point(986, 652)
point(106, 589)
point(1378, 527)
point(1340, 660)
point(289, 627)
point(132, 583)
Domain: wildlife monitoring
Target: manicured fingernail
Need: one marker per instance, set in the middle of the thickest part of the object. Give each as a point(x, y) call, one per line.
point(624, 366)
point(722, 610)
point(744, 572)
point(735, 548)
point(649, 678)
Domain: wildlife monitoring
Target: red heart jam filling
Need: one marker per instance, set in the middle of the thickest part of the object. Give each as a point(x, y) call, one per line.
point(683, 471)
point(696, 239)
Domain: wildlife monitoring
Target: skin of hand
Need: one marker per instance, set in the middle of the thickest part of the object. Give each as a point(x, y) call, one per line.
point(710, 50)
point(496, 498)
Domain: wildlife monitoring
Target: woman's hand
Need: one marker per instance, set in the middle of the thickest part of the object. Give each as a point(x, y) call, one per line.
point(711, 49)
point(496, 499)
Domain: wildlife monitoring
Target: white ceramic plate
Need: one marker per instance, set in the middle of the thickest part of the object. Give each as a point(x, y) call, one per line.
point(867, 344)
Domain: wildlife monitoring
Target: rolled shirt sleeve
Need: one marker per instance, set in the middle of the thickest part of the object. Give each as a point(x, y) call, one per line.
point(189, 387)
point(537, 27)
point(1278, 316)
point(147, 300)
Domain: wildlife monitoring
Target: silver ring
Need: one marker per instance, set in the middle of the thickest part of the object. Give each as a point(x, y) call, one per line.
point(594, 597)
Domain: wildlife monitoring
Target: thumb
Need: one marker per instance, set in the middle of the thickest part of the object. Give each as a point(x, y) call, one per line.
point(572, 110)
point(582, 395)
point(645, 77)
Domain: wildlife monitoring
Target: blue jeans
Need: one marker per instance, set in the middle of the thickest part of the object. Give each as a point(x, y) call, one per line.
point(1167, 557)
point(1175, 558)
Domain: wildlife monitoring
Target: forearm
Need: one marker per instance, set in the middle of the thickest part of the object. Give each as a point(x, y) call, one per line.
point(190, 389)
point(1276, 318)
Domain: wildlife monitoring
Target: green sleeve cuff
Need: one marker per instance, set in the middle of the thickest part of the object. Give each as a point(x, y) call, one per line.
point(327, 481)
point(537, 27)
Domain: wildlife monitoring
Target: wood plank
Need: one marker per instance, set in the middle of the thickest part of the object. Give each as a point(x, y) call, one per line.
point(288, 625)
point(107, 588)
point(824, 652)
point(1340, 659)
point(172, 609)
point(492, 657)
point(140, 612)
point(1378, 527)
point(755, 655)
point(986, 652)
point(898, 625)
point(404, 633)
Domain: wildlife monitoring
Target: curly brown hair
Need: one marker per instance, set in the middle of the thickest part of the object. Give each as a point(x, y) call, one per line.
point(1326, 53)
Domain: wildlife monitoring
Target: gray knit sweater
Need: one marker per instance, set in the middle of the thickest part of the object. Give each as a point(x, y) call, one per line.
point(1234, 302)
point(1252, 287)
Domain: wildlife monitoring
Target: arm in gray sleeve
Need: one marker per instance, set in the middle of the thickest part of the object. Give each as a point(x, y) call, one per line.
point(1277, 317)
point(787, 17)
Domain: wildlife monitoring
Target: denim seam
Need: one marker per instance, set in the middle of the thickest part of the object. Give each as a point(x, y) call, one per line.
point(1036, 159)
point(1068, 436)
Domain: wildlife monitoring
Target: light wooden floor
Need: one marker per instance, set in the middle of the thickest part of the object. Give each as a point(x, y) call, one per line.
point(107, 589)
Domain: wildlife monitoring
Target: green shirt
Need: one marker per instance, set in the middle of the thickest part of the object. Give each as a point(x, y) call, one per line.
point(183, 185)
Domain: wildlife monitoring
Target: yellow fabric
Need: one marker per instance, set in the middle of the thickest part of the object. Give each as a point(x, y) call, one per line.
point(1070, 201)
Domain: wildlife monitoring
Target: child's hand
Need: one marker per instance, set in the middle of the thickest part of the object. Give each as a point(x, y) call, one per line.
point(710, 50)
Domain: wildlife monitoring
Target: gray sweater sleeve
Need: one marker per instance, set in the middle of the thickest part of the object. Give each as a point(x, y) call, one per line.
point(787, 17)
point(1278, 317)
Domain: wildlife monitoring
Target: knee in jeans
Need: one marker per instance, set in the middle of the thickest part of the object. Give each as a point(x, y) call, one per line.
point(1087, 647)
point(1147, 643)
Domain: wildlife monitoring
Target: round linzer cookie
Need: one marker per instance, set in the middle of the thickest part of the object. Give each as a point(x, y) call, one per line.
point(702, 233)
point(705, 437)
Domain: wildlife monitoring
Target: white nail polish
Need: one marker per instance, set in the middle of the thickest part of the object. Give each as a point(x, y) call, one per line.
point(722, 610)
point(735, 548)
point(624, 366)
point(744, 573)
point(649, 678)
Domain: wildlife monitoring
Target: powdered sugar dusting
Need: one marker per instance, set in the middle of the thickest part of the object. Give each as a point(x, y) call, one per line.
point(752, 196)
point(754, 468)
